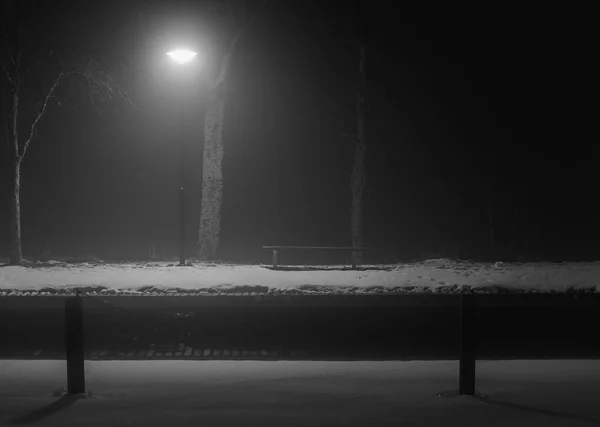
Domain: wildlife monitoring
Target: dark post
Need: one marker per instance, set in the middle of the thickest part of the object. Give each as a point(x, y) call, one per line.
point(181, 196)
point(274, 258)
point(74, 344)
point(468, 341)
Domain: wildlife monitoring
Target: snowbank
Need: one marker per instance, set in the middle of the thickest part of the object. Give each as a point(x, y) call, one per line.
point(440, 275)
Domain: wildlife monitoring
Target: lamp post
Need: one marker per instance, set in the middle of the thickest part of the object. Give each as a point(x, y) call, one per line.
point(181, 57)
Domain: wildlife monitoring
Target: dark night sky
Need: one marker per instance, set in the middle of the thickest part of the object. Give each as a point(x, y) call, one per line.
point(447, 84)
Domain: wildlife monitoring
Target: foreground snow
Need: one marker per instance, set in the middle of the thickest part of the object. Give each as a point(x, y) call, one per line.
point(223, 393)
point(438, 275)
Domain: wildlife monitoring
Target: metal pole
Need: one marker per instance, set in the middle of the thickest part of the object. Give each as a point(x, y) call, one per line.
point(181, 194)
point(74, 345)
point(468, 341)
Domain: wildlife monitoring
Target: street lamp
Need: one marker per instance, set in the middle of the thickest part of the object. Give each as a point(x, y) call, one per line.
point(181, 57)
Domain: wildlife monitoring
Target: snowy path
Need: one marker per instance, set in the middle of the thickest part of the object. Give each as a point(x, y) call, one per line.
point(223, 393)
point(439, 275)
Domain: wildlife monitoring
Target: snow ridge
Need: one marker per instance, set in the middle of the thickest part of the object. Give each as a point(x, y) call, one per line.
point(436, 276)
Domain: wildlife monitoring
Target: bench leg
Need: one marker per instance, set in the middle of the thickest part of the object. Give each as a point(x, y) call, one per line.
point(468, 342)
point(274, 258)
point(354, 256)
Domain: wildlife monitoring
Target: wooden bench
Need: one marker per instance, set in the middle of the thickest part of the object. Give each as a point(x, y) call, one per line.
point(316, 248)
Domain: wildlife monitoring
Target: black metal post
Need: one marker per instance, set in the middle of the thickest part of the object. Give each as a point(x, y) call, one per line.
point(74, 345)
point(181, 195)
point(468, 342)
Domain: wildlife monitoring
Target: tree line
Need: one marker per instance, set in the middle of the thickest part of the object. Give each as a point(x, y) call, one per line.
point(35, 73)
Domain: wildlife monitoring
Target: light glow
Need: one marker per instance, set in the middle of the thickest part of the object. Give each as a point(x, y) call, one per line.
point(182, 56)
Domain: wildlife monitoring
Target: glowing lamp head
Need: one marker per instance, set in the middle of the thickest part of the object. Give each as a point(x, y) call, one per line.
point(182, 56)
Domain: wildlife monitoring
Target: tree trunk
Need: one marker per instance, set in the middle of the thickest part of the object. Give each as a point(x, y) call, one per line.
point(16, 254)
point(209, 231)
point(357, 181)
point(212, 181)
point(490, 205)
point(14, 236)
point(491, 229)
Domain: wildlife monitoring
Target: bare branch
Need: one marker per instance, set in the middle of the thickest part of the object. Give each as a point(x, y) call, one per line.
point(247, 25)
point(244, 11)
point(25, 71)
point(104, 86)
point(231, 14)
point(101, 83)
point(10, 52)
point(92, 102)
point(41, 111)
point(15, 60)
point(10, 79)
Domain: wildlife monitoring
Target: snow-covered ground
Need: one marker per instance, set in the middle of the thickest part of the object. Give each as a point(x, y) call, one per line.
point(242, 393)
point(438, 275)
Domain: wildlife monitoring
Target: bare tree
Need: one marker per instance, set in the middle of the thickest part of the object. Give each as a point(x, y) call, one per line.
point(357, 178)
point(490, 200)
point(241, 18)
point(19, 61)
